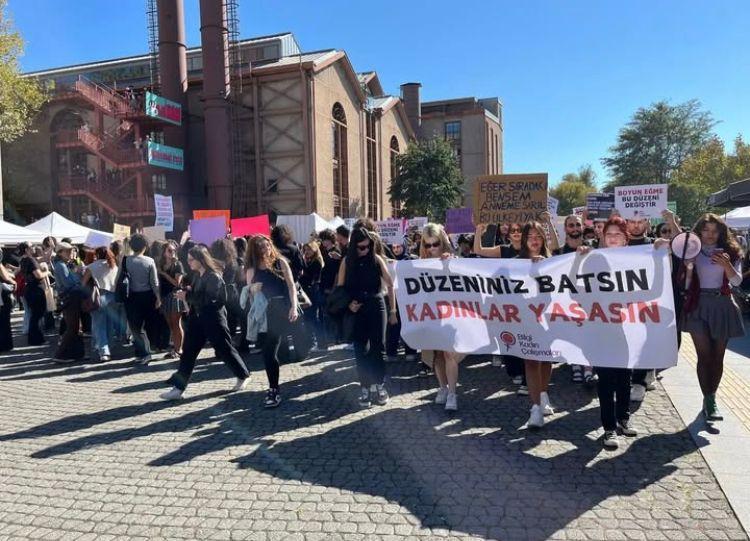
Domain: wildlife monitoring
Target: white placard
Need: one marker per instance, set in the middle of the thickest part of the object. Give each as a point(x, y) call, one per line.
point(96, 239)
point(164, 211)
point(612, 307)
point(418, 222)
point(647, 201)
point(391, 231)
point(552, 205)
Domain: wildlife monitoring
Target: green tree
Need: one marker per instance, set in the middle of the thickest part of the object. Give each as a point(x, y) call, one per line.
point(429, 180)
point(585, 175)
point(705, 171)
point(20, 97)
point(570, 193)
point(656, 141)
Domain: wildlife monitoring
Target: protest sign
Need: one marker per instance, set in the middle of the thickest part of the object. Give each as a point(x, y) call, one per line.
point(671, 205)
point(502, 199)
point(578, 211)
point(391, 231)
point(207, 230)
point(164, 211)
point(647, 201)
point(153, 233)
point(95, 239)
point(349, 223)
point(552, 205)
point(417, 223)
point(459, 221)
point(120, 232)
point(255, 225)
point(613, 307)
point(207, 213)
point(599, 206)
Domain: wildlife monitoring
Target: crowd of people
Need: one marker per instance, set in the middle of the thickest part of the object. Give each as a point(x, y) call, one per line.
point(280, 298)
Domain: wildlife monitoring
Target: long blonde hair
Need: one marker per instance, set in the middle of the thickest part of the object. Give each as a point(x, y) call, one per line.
point(435, 231)
point(314, 247)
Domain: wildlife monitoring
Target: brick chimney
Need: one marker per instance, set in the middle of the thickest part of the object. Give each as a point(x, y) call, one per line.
point(411, 96)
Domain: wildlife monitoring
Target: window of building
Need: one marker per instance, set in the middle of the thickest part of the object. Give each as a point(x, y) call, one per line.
point(452, 134)
point(340, 162)
point(159, 182)
point(394, 151)
point(372, 166)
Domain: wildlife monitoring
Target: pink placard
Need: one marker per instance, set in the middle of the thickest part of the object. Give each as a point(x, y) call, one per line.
point(255, 225)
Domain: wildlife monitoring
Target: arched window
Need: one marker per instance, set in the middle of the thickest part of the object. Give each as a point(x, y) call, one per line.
point(394, 151)
point(66, 120)
point(340, 162)
point(371, 144)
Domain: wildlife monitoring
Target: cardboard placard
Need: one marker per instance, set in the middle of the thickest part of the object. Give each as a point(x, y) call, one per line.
point(646, 201)
point(500, 199)
point(459, 221)
point(599, 206)
point(391, 231)
point(120, 232)
point(153, 233)
point(207, 230)
point(208, 213)
point(255, 225)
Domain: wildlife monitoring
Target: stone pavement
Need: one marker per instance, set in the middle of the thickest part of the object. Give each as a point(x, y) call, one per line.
point(89, 452)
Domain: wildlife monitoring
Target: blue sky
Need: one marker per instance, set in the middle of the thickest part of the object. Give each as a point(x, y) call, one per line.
point(569, 73)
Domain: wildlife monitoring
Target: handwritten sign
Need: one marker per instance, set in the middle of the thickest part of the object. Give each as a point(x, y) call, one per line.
point(459, 221)
point(599, 206)
point(120, 232)
point(417, 223)
point(391, 231)
point(164, 211)
point(510, 198)
point(646, 201)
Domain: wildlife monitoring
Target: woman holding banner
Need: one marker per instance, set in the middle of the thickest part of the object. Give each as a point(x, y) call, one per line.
point(363, 274)
point(538, 373)
point(435, 243)
point(711, 316)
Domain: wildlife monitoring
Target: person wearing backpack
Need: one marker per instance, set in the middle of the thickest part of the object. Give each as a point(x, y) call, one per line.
point(207, 321)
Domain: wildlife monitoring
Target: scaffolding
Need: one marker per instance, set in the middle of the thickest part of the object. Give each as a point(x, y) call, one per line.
point(242, 192)
point(152, 24)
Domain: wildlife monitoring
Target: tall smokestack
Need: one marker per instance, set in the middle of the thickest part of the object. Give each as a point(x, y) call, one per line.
point(215, 45)
point(173, 86)
point(412, 98)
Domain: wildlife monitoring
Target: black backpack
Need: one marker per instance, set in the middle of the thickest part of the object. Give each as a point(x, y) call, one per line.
point(122, 288)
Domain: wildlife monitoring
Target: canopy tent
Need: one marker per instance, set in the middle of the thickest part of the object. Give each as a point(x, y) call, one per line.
point(737, 194)
point(60, 227)
point(304, 224)
point(738, 218)
point(14, 234)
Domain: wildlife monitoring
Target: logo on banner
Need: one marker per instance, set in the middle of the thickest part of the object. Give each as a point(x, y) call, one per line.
point(507, 338)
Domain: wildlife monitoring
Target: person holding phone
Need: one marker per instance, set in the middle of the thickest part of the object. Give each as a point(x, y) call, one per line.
point(711, 315)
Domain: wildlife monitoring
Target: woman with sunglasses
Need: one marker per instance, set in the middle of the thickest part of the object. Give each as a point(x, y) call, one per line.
point(207, 322)
point(435, 244)
point(538, 373)
point(171, 273)
point(364, 275)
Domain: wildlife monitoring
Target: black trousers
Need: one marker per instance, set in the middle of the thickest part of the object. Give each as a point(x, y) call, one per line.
point(393, 336)
point(6, 335)
point(369, 338)
point(277, 315)
point(37, 304)
point(140, 309)
point(614, 395)
point(515, 366)
point(209, 325)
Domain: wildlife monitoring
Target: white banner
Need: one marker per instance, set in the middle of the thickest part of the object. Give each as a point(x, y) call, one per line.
point(611, 307)
point(164, 211)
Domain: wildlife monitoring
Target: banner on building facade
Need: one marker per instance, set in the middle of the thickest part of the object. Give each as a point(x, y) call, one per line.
point(509, 199)
point(164, 210)
point(163, 109)
point(165, 156)
point(611, 307)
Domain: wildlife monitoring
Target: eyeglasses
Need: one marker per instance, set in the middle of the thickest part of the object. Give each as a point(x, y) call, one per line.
point(363, 247)
point(432, 244)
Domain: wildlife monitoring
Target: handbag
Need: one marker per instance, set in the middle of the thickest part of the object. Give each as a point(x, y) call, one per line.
point(122, 288)
point(49, 296)
point(338, 301)
point(92, 300)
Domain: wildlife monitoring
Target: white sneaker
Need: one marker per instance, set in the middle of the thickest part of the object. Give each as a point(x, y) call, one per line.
point(650, 380)
point(536, 419)
point(441, 396)
point(637, 393)
point(143, 360)
point(544, 403)
point(240, 384)
point(497, 360)
point(610, 440)
point(173, 394)
point(451, 402)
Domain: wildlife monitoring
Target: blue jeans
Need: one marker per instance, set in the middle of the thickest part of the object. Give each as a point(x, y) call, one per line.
point(106, 322)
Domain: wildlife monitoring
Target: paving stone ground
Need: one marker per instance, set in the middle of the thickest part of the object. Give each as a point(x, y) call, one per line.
point(89, 452)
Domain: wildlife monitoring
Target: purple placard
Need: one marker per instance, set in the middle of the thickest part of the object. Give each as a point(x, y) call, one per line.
point(459, 221)
point(207, 230)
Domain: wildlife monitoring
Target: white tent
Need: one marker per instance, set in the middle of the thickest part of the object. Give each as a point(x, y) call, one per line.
point(738, 218)
point(60, 227)
point(304, 224)
point(13, 234)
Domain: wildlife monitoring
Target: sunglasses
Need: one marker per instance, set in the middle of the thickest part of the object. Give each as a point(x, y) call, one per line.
point(432, 244)
point(363, 247)
point(515, 229)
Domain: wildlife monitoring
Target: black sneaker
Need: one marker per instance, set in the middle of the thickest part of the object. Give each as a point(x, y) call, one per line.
point(272, 400)
point(364, 397)
point(710, 409)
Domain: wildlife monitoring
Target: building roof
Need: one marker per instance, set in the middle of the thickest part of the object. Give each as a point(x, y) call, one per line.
point(310, 60)
point(457, 106)
point(371, 80)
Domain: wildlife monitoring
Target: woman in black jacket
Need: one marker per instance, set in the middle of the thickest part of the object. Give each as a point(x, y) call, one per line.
point(207, 321)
